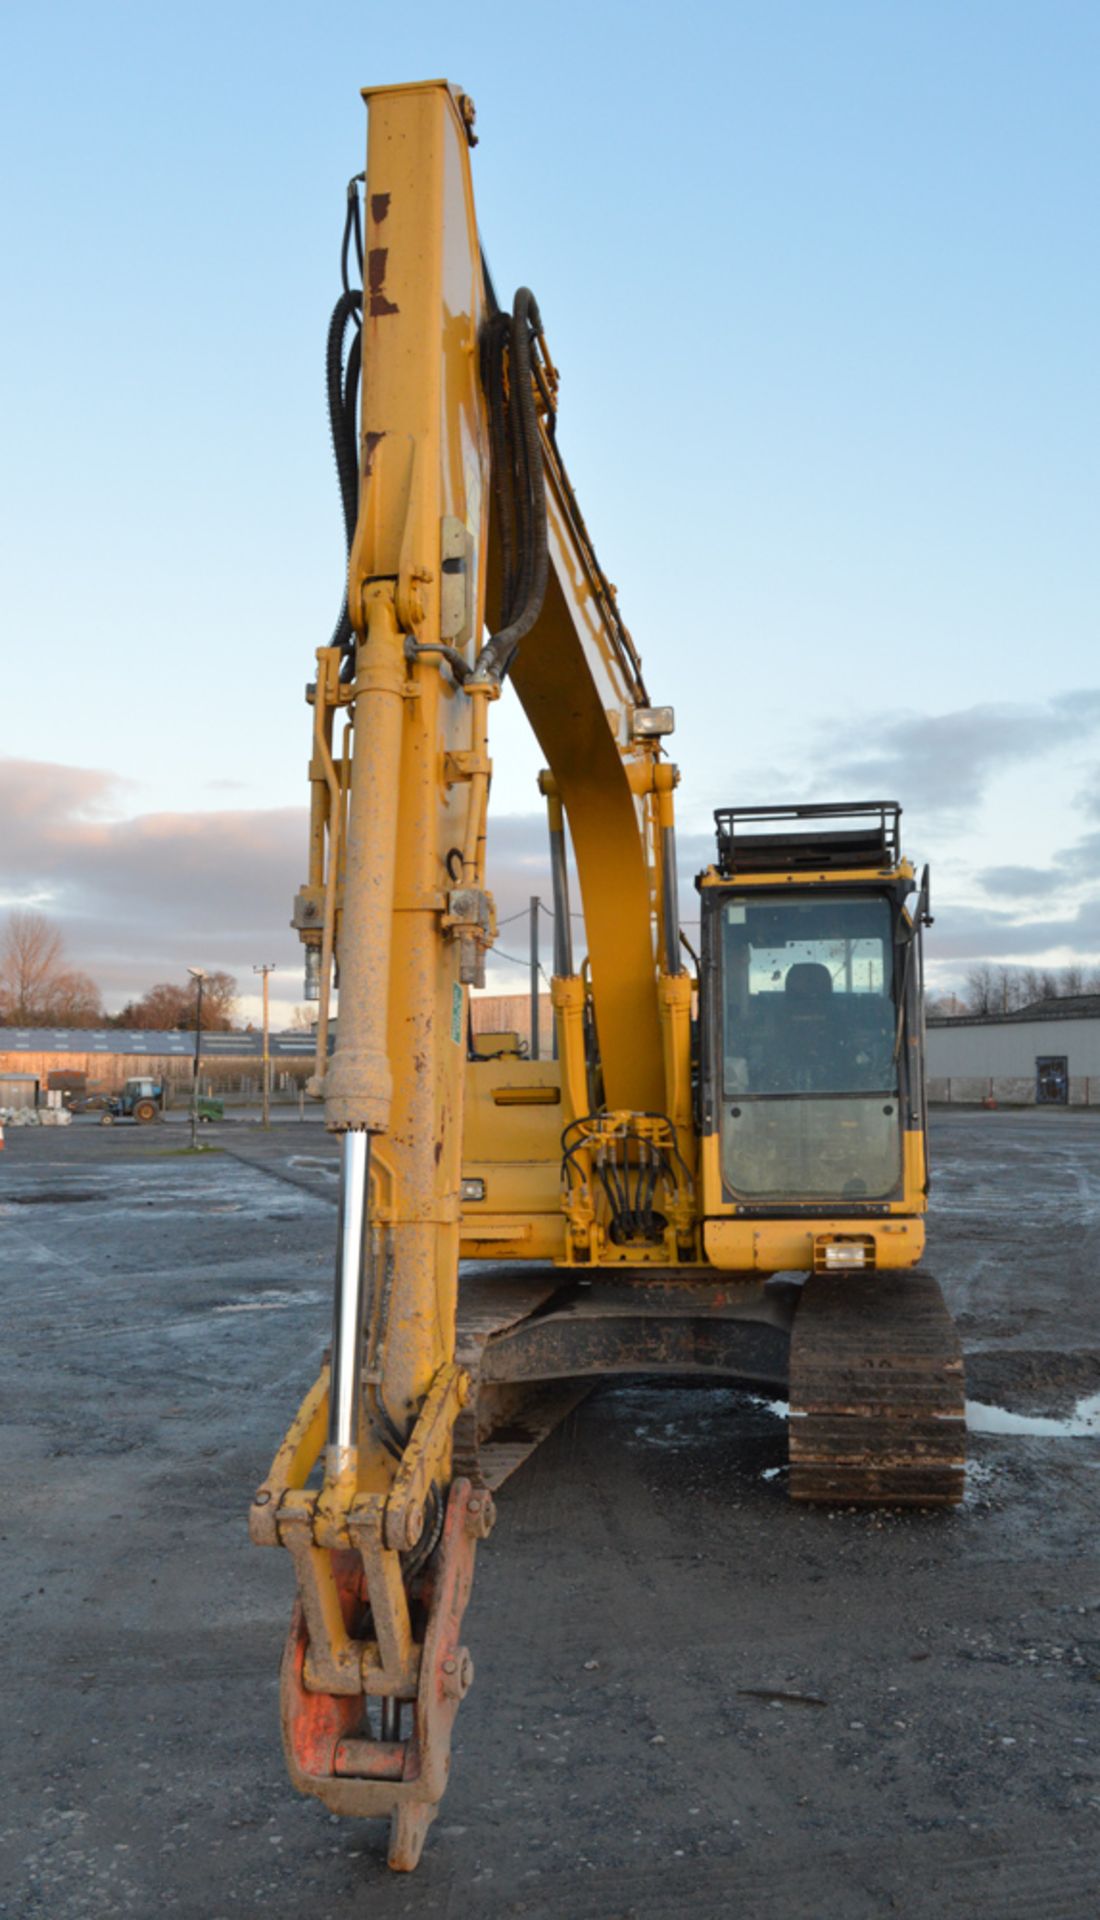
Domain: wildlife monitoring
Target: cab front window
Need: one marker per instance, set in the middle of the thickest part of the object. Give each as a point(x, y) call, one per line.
point(809, 1061)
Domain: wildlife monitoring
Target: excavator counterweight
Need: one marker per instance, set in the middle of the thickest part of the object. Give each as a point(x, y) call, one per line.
point(722, 1172)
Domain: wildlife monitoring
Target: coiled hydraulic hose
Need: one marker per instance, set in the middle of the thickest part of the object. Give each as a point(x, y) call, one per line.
point(518, 480)
point(342, 383)
point(342, 392)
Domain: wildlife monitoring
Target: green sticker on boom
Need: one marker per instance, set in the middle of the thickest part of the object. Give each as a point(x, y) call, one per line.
point(456, 1014)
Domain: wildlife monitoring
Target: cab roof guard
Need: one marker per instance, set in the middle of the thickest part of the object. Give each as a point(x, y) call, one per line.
point(843, 834)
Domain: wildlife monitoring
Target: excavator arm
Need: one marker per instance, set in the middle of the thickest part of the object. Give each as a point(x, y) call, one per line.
point(363, 1491)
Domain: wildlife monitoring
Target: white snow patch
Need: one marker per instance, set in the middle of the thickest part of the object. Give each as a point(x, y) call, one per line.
point(1084, 1419)
point(781, 1409)
point(270, 1302)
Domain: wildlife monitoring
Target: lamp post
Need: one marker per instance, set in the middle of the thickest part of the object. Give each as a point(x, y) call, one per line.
point(535, 904)
point(198, 976)
point(265, 970)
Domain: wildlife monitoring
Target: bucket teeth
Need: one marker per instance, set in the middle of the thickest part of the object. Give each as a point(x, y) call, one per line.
point(877, 1395)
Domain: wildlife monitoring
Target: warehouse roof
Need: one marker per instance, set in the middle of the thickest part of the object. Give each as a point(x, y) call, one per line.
point(1069, 1006)
point(138, 1042)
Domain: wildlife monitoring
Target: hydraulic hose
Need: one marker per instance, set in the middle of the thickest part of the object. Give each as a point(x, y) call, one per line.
point(517, 450)
point(342, 386)
point(342, 393)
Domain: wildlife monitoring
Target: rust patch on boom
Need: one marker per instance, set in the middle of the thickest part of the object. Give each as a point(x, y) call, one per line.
point(376, 282)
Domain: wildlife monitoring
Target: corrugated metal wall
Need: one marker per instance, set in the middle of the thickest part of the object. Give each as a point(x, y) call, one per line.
point(103, 1071)
point(975, 1062)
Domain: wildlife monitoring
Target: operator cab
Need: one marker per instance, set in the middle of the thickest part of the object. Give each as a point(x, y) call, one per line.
point(811, 1011)
point(808, 1022)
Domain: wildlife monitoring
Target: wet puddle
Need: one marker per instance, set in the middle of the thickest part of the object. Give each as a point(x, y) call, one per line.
point(310, 1163)
point(48, 1198)
point(983, 1419)
point(1084, 1420)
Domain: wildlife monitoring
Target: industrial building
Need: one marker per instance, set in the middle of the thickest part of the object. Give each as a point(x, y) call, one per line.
point(1047, 1054)
point(101, 1058)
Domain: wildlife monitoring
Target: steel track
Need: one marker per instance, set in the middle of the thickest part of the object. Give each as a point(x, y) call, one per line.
point(877, 1394)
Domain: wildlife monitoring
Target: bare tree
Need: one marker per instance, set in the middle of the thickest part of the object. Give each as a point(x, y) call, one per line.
point(219, 1001)
point(74, 1001)
point(1031, 986)
point(30, 956)
point(983, 992)
point(37, 988)
point(944, 1006)
point(302, 1020)
point(1010, 991)
point(163, 1007)
point(168, 1007)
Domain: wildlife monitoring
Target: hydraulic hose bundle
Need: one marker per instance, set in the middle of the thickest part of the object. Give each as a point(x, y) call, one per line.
point(519, 484)
point(342, 391)
point(519, 487)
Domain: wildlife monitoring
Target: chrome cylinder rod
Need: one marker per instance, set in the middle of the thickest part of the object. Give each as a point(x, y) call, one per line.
point(671, 902)
point(559, 875)
point(352, 1256)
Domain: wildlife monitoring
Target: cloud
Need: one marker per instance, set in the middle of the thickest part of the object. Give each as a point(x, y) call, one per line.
point(36, 793)
point(943, 762)
point(141, 896)
point(966, 932)
point(976, 933)
point(940, 765)
point(1022, 883)
point(517, 866)
point(1089, 797)
point(1070, 867)
point(1082, 861)
point(138, 898)
point(517, 859)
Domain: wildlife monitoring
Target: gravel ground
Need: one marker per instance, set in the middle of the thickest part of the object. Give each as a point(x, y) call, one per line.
point(691, 1697)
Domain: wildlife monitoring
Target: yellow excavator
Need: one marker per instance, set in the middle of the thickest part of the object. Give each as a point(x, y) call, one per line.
point(722, 1171)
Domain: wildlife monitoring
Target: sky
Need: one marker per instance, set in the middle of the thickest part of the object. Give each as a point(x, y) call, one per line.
point(821, 278)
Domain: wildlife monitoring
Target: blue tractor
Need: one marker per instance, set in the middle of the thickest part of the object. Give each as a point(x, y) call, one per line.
point(140, 1100)
point(143, 1101)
